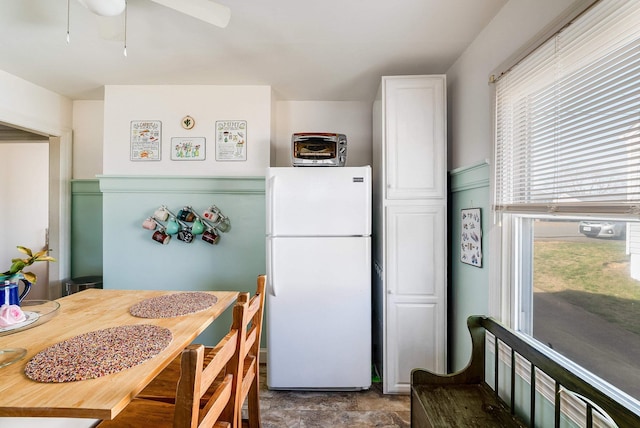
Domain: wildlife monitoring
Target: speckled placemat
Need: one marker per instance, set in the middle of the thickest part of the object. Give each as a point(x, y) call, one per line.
point(98, 353)
point(173, 305)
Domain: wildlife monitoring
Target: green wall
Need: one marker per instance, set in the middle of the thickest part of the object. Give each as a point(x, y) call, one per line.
point(132, 260)
point(469, 285)
point(469, 292)
point(86, 228)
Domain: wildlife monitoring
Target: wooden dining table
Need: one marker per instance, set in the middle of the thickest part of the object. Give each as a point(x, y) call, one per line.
point(103, 397)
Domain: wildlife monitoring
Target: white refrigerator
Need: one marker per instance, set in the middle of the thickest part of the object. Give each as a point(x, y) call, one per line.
point(319, 278)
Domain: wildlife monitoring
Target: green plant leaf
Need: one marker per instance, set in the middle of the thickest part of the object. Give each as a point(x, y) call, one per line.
point(18, 264)
point(25, 250)
point(40, 254)
point(30, 276)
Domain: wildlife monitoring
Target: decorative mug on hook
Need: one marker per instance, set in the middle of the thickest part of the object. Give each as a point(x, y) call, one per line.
point(173, 226)
point(211, 236)
point(161, 213)
point(223, 224)
point(197, 228)
point(212, 213)
point(161, 236)
point(186, 236)
point(186, 214)
point(150, 223)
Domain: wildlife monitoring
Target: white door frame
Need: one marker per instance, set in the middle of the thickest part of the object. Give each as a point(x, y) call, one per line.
point(60, 170)
point(60, 173)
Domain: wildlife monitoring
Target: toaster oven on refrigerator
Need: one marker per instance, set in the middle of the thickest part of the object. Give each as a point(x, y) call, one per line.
point(318, 149)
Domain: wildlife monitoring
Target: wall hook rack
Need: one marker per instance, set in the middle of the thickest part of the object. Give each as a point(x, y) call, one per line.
point(187, 224)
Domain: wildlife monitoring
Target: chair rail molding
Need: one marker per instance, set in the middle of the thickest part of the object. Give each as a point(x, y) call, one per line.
point(470, 177)
point(181, 184)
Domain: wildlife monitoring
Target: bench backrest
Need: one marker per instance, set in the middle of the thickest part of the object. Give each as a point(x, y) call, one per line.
point(568, 376)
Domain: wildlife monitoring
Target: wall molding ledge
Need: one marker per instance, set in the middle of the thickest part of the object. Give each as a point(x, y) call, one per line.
point(181, 184)
point(85, 186)
point(471, 177)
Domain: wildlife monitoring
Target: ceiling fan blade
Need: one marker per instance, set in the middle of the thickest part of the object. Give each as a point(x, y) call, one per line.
point(104, 8)
point(205, 10)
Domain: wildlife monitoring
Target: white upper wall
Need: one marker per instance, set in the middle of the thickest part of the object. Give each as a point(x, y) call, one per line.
point(352, 118)
point(32, 107)
point(470, 100)
point(169, 104)
point(88, 130)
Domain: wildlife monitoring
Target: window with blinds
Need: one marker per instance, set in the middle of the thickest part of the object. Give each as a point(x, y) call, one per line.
point(568, 119)
point(567, 191)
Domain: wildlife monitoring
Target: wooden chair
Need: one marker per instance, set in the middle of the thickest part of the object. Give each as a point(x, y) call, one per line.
point(163, 387)
point(196, 378)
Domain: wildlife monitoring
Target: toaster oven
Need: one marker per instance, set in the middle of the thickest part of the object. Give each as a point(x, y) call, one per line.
point(318, 149)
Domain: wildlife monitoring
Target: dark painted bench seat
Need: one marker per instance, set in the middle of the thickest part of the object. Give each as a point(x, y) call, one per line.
point(471, 405)
point(464, 399)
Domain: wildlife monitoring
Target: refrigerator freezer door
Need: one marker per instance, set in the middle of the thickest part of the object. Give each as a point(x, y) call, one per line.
point(319, 322)
point(319, 201)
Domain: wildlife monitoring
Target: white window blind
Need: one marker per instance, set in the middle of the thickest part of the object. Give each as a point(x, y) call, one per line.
point(568, 119)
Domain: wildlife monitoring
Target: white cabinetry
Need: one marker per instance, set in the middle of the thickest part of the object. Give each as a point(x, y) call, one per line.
point(409, 228)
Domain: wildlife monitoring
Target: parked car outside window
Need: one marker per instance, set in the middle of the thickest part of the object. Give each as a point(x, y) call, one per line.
point(603, 229)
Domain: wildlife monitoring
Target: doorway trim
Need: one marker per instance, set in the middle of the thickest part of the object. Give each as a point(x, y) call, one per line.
point(60, 171)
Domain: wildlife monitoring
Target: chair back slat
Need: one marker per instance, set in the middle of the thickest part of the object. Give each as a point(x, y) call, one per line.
point(223, 353)
point(251, 337)
point(214, 407)
point(249, 372)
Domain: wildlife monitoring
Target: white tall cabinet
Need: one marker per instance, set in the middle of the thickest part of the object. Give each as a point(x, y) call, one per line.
point(410, 209)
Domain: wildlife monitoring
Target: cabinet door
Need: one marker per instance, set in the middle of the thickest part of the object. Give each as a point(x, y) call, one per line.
point(416, 293)
point(415, 134)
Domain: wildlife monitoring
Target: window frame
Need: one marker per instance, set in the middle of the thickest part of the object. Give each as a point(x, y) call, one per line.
point(507, 236)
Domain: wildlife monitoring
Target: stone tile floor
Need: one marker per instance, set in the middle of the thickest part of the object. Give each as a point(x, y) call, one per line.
point(305, 409)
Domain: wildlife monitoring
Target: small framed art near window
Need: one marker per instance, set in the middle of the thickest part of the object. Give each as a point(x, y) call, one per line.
point(471, 237)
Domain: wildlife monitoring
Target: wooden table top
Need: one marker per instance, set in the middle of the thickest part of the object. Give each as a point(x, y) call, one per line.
point(104, 397)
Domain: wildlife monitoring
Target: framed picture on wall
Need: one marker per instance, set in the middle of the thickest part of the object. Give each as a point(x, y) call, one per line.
point(231, 140)
point(146, 140)
point(471, 237)
point(188, 149)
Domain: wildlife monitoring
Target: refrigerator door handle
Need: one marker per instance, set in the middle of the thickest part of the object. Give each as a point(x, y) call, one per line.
point(270, 270)
point(271, 204)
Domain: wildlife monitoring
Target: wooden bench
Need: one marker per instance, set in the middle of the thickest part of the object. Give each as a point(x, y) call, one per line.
point(464, 399)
